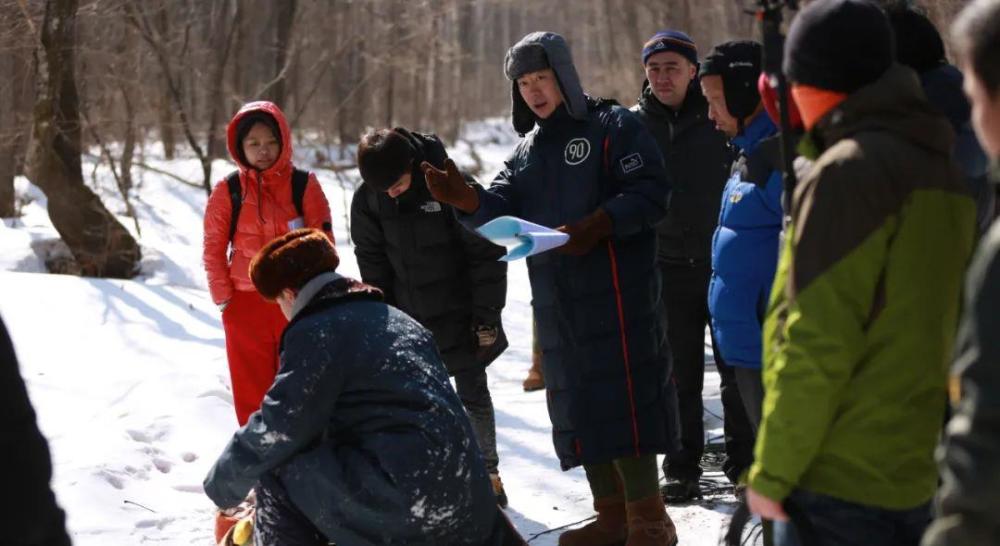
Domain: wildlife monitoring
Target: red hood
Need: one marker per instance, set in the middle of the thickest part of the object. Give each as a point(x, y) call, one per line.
point(285, 158)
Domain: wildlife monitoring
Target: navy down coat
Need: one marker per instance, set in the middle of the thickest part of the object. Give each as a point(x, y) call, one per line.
point(363, 429)
point(598, 316)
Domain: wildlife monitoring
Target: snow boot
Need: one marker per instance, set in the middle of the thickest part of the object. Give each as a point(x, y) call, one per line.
point(498, 490)
point(649, 524)
point(609, 529)
point(680, 490)
point(535, 381)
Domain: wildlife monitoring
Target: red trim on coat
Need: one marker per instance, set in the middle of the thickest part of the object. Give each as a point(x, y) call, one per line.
point(625, 353)
point(607, 166)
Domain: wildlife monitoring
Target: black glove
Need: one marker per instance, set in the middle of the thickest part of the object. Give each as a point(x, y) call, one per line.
point(586, 233)
point(486, 335)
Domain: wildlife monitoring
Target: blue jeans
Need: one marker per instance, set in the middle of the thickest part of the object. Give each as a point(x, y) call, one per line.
point(836, 522)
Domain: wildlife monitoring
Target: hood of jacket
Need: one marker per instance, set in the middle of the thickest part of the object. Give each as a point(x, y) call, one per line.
point(561, 61)
point(893, 103)
point(282, 167)
point(943, 87)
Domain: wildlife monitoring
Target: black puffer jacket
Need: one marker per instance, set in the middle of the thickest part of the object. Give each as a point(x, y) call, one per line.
point(428, 265)
point(698, 159)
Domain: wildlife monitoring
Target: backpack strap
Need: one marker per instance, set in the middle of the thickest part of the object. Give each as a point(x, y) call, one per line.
point(299, 181)
point(235, 199)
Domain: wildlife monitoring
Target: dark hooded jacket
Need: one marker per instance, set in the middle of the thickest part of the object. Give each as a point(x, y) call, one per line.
point(32, 515)
point(603, 343)
point(698, 159)
point(363, 429)
point(427, 264)
point(969, 498)
point(943, 87)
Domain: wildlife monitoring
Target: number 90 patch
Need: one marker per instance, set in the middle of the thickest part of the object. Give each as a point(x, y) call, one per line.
point(577, 151)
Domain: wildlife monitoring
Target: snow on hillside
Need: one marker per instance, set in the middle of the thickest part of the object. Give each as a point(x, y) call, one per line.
point(130, 383)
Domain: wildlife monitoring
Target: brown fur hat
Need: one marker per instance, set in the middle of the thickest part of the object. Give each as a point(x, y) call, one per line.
point(292, 260)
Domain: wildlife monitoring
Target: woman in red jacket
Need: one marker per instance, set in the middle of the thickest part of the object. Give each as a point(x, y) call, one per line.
point(260, 143)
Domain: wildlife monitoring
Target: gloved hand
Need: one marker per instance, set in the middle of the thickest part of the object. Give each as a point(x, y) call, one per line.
point(486, 335)
point(449, 186)
point(586, 233)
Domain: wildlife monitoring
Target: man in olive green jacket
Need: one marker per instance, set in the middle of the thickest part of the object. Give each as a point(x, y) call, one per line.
point(863, 312)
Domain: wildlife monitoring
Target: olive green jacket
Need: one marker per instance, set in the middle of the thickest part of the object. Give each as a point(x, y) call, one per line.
point(863, 312)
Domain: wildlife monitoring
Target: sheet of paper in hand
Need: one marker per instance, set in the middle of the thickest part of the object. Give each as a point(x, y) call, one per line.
point(520, 237)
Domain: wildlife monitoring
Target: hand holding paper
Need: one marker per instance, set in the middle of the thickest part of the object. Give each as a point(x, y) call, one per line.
point(521, 237)
point(586, 233)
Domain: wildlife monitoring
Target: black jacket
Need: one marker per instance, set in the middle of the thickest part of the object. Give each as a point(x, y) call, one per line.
point(603, 342)
point(969, 498)
point(363, 429)
point(698, 158)
point(429, 265)
point(31, 516)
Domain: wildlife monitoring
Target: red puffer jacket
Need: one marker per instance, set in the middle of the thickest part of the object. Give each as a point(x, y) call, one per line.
point(267, 211)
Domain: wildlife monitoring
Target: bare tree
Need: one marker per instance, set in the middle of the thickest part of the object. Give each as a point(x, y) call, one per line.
point(99, 243)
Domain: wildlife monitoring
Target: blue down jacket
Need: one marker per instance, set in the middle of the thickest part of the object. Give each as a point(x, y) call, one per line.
point(745, 246)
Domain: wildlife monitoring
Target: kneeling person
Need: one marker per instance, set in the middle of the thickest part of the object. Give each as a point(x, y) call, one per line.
point(360, 439)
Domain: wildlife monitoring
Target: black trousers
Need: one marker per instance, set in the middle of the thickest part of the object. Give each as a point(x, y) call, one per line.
point(472, 389)
point(685, 295)
point(279, 523)
point(752, 393)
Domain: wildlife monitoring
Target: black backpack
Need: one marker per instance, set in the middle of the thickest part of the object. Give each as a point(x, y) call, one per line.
point(299, 181)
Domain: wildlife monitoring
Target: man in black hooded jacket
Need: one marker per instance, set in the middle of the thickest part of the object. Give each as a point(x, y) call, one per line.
point(411, 247)
point(698, 159)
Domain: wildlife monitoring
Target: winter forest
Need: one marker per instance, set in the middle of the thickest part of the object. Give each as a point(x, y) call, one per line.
point(113, 133)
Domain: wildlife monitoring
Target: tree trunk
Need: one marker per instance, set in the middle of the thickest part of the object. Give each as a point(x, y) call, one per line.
point(7, 123)
point(222, 41)
point(284, 19)
point(99, 243)
point(165, 111)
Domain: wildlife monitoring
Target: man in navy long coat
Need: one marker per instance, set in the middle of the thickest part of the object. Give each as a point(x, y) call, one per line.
point(592, 170)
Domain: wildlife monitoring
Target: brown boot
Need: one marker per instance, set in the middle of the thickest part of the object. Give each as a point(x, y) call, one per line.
point(535, 381)
point(608, 529)
point(649, 524)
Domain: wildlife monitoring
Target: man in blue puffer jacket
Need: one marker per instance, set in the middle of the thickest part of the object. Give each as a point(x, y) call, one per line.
point(745, 246)
point(592, 170)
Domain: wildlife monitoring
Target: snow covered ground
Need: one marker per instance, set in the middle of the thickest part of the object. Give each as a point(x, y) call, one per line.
point(131, 388)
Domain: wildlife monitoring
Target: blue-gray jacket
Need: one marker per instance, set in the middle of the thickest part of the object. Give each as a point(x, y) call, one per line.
point(363, 429)
point(604, 353)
